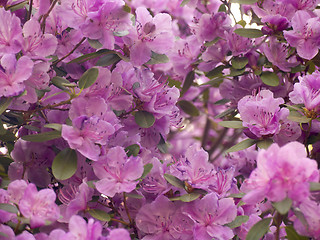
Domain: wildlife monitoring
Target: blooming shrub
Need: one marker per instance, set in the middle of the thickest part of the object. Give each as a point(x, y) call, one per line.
point(159, 120)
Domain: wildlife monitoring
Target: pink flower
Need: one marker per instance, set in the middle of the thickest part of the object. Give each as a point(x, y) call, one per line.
point(86, 135)
point(13, 74)
point(37, 44)
point(305, 34)
point(210, 215)
point(39, 207)
point(149, 34)
point(81, 230)
point(119, 234)
point(163, 220)
point(311, 212)
point(276, 53)
point(307, 91)
point(261, 113)
point(194, 168)
point(117, 172)
point(281, 172)
point(10, 33)
point(212, 26)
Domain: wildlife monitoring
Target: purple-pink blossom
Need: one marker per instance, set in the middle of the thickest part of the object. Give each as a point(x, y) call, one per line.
point(163, 220)
point(307, 92)
point(40, 206)
point(150, 33)
point(13, 73)
point(210, 214)
point(117, 172)
point(79, 229)
point(262, 113)
point(86, 134)
point(10, 33)
point(281, 172)
point(305, 34)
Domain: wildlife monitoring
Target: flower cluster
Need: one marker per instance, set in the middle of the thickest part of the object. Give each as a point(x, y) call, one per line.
point(159, 120)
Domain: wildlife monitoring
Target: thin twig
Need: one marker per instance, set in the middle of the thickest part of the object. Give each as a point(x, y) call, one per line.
point(126, 208)
point(72, 51)
point(205, 133)
point(30, 10)
point(217, 142)
point(45, 16)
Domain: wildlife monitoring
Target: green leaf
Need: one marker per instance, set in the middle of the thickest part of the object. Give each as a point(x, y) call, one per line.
point(65, 164)
point(298, 68)
point(270, 78)
point(144, 119)
point(126, 8)
point(242, 22)
point(231, 124)
point(32, 128)
point(146, 169)
point(297, 117)
point(283, 206)
point(237, 72)
point(296, 107)
point(90, 56)
point(264, 144)
point(187, 82)
point(174, 83)
point(157, 58)
point(188, 108)
point(8, 137)
point(247, 2)
point(107, 60)
point(2, 129)
point(174, 181)
point(209, 44)
point(121, 33)
point(216, 72)
point(4, 235)
point(94, 43)
point(189, 197)
point(259, 229)
point(314, 186)
point(239, 62)
point(162, 145)
point(238, 221)
point(237, 195)
point(17, 6)
point(55, 126)
point(100, 215)
point(249, 32)
point(132, 150)
point(293, 235)
point(5, 162)
point(88, 78)
point(9, 208)
point(222, 8)
point(184, 2)
point(222, 101)
point(242, 145)
point(225, 113)
point(4, 104)
point(133, 195)
point(42, 137)
point(301, 217)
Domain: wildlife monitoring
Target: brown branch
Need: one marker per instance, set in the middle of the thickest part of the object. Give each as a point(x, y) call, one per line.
point(72, 51)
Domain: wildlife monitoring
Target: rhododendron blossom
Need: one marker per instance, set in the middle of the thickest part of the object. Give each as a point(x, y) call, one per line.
point(281, 172)
point(159, 120)
point(307, 91)
point(149, 34)
point(117, 173)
